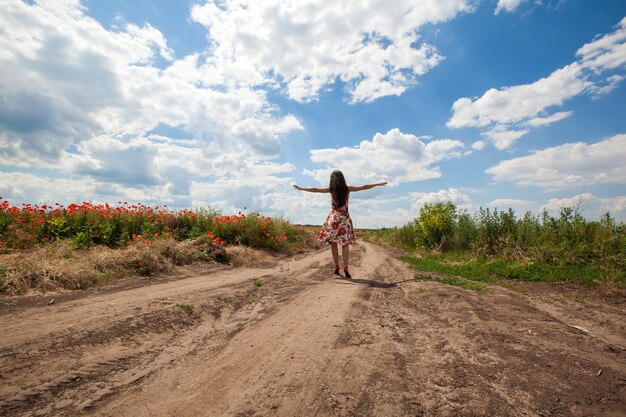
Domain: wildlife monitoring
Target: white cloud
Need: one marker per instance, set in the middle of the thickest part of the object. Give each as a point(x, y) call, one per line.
point(151, 36)
point(65, 78)
point(611, 84)
point(372, 219)
point(507, 5)
point(506, 114)
point(453, 195)
point(18, 187)
point(543, 121)
point(518, 103)
point(373, 46)
point(395, 157)
point(236, 193)
point(568, 165)
point(478, 145)
point(606, 52)
point(508, 202)
point(503, 138)
point(589, 206)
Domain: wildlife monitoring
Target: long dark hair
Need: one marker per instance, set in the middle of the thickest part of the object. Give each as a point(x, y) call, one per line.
point(338, 189)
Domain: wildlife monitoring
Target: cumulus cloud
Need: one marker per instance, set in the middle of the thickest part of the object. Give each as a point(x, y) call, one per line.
point(232, 193)
point(506, 114)
point(508, 202)
point(519, 206)
point(478, 145)
point(453, 195)
point(66, 78)
point(589, 206)
point(503, 138)
point(371, 219)
point(373, 47)
point(606, 52)
point(568, 165)
point(25, 187)
point(394, 156)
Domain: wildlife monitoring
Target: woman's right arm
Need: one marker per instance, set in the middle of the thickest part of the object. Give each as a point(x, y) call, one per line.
point(312, 189)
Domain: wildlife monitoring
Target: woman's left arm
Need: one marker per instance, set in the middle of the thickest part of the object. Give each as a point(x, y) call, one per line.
point(312, 189)
point(367, 186)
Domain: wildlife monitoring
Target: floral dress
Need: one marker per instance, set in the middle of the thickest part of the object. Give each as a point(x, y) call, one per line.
point(338, 227)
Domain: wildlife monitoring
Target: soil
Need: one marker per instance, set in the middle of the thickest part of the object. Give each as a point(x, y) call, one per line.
point(303, 342)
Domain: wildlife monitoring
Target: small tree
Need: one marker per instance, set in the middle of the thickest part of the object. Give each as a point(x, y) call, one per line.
point(435, 225)
point(466, 231)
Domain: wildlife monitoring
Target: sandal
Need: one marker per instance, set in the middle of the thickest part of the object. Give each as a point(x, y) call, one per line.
point(345, 271)
point(337, 270)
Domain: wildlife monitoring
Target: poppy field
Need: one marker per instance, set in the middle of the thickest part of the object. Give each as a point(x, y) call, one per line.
point(86, 224)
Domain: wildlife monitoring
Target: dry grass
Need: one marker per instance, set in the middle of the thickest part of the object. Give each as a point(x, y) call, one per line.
point(244, 255)
point(60, 266)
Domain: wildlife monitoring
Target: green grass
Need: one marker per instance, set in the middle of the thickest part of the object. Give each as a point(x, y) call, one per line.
point(457, 282)
point(257, 283)
point(494, 269)
point(186, 308)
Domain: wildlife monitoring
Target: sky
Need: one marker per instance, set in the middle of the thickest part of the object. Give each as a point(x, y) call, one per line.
point(227, 103)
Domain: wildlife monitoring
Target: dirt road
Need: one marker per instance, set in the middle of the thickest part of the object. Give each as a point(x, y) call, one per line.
point(305, 343)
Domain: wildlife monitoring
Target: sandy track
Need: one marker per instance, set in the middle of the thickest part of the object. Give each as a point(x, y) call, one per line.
point(308, 344)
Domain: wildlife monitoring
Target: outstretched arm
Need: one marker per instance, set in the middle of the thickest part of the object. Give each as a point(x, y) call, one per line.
point(312, 189)
point(367, 186)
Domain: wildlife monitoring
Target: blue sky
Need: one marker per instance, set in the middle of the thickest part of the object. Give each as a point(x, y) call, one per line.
point(509, 103)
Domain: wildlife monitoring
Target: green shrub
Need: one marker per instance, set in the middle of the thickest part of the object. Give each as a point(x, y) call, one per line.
point(435, 225)
point(82, 240)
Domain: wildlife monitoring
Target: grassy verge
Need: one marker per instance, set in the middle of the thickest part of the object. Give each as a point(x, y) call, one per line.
point(492, 270)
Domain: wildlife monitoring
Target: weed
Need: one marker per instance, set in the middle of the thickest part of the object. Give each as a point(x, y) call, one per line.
point(82, 240)
point(579, 298)
point(187, 308)
point(457, 282)
point(257, 283)
point(225, 299)
point(251, 299)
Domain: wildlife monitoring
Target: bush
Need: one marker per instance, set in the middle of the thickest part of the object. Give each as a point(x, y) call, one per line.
point(435, 225)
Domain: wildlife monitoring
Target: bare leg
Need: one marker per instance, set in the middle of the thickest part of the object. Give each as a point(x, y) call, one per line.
point(345, 252)
point(335, 252)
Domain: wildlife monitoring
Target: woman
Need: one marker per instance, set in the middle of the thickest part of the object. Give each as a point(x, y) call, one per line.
point(338, 229)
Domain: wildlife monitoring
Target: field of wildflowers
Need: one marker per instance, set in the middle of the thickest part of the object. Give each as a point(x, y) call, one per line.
point(52, 247)
point(27, 226)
